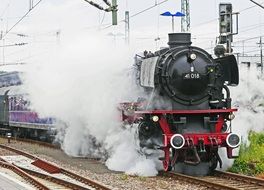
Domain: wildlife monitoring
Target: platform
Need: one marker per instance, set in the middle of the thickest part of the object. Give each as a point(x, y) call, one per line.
point(10, 183)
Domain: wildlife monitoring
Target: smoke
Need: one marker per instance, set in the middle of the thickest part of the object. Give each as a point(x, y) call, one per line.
point(81, 82)
point(248, 97)
point(125, 156)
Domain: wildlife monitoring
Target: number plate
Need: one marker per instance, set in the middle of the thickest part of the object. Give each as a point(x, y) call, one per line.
point(191, 75)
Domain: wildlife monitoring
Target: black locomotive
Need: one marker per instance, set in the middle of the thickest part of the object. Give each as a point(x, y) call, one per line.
point(187, 76)
point(187, 107)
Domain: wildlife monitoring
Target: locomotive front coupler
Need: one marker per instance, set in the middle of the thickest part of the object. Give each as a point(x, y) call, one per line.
point(193, 148)
point(197, 161)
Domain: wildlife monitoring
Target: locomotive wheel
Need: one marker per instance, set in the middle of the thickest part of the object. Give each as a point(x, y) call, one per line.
point(167, 166)
point(149, 134)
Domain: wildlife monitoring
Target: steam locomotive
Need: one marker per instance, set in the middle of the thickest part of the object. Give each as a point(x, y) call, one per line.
point(186, 111)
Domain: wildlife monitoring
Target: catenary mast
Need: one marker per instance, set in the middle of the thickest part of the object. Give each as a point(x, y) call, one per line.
point(185, 20)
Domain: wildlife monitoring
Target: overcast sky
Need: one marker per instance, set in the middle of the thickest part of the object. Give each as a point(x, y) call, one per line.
point(53, 17)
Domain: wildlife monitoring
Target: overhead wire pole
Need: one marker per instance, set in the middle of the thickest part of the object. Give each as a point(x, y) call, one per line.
point(185, 20)
point(111, 8)
point(114, 12)
point(138, 13)
point(127, 35)
point(261, 53)
point(3, 51)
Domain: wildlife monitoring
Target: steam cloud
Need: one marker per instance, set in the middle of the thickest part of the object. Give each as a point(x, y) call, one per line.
point(81, 83)
point(248, 97)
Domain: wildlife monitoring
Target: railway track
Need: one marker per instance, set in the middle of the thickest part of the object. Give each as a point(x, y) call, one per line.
point(222, 181)
point(219, 180)
point(41, 143)
point(44, 175)
point(24, 175)
point(48, 145)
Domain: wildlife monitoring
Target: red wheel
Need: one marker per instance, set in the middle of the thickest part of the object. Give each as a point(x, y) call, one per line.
point(166, 166)
point(166, 161)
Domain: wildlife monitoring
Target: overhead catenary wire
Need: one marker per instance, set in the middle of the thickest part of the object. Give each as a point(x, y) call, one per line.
point(107, 3)
point(140, 12)
point(250, 51)
point(247, 39)
point(108, 9)
point(250, 7)
point(11, 18)
point(151, 7)
point(215, 19)
point(20, 19)
point(12, 63)
point(247, 28)
point(257, 4)
point(17, 44)
point(252, 28)
point(241, 41)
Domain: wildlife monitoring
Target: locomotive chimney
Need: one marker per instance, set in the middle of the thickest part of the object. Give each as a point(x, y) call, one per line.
point(179, 39)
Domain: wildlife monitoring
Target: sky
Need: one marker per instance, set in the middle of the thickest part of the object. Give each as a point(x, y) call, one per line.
point(44, 25)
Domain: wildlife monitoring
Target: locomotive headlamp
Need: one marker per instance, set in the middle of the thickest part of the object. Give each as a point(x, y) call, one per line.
point(177, 141)
point(233, 140)
point(231, 116)
point(193, 56)
point(155, 118)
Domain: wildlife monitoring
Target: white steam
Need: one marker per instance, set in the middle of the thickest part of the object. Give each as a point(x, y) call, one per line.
point(81, 83)
point(248, 96)
point(82, 80)
point(125, 157)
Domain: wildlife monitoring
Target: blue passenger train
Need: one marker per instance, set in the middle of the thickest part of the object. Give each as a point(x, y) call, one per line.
point(15, 113)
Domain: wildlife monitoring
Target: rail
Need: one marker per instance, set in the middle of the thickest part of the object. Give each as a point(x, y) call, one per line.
point(74, 176)
point(24, 175)
point(41, 143)
point(220, 180)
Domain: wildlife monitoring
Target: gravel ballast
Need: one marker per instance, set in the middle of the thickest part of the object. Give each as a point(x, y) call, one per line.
point(96, 170)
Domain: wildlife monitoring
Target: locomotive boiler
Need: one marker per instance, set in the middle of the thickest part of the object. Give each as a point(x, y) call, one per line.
point(186, 111)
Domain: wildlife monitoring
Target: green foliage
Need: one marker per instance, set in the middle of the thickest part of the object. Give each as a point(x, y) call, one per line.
point(142, 178)
point(251, 158)
point(124, 177)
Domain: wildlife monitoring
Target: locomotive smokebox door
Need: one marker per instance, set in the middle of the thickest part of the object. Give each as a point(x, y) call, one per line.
point(229, 69)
